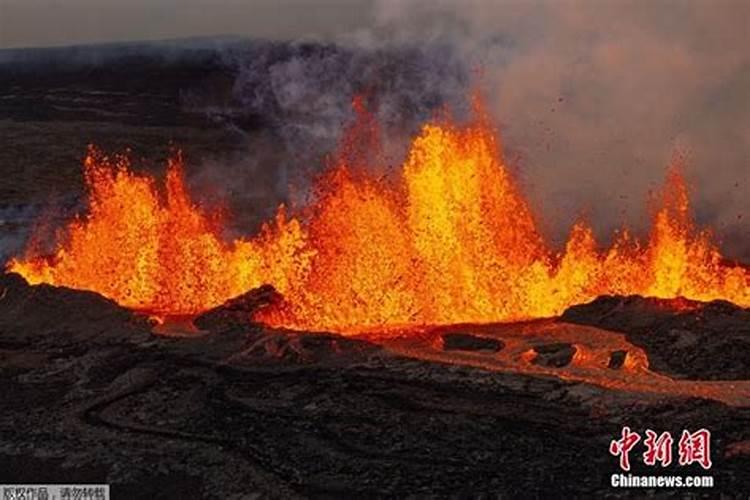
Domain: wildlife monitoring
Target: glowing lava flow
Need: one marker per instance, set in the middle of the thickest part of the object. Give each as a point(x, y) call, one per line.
point(451, 240)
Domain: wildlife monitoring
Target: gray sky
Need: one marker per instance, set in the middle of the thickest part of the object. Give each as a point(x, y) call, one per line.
point(28, 23)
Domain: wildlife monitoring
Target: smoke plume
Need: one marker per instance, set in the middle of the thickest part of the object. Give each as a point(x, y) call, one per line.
point(594, 98)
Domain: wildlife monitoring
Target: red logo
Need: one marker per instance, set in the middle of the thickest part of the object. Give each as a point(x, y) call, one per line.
point(658, 449)
point(623, 446)
point(696, 447)
point(693, 448)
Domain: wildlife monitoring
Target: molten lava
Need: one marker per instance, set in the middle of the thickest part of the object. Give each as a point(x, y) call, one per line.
point(157, 253)
point(451, 240)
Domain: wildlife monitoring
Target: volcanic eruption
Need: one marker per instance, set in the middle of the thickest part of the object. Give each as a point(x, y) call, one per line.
point(299, 259)
point(449, 238)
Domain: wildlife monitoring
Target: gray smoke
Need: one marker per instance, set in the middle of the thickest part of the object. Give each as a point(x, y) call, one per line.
point(293, 101)
point(594, 98)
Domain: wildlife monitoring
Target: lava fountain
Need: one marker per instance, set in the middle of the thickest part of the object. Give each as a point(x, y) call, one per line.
point(157, 251)
point(450, 240)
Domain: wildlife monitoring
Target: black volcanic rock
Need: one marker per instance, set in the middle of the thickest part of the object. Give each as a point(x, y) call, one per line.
point(457, 341)
point(48, 312)
point(303, 415)
point(554, 355)
point(617, 359)
point(237, 312)
point(683, 339)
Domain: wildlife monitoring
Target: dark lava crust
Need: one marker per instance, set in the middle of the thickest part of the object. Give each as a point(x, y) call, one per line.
point(90, 395)
point(683, 339)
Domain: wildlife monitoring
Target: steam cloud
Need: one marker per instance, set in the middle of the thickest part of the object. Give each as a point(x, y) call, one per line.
point(301, 96)
point(595, 97)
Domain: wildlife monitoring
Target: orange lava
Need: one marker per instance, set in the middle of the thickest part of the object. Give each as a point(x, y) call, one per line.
point(450, 240)
point(157, 252)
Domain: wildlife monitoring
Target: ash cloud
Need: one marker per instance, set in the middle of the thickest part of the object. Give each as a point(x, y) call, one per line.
point(292, 101)
point(595, 97)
